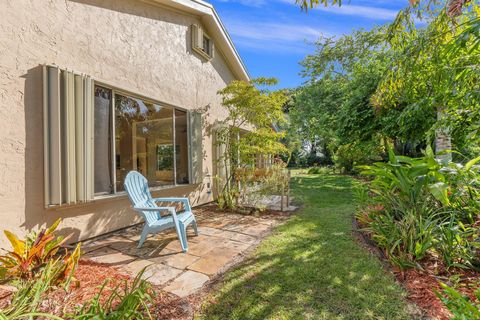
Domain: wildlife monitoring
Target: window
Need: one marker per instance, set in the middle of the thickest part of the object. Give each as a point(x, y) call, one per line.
point(206, 45)
point(181, 147)
point(102, 135)
point(93, 136)
point(149, 138)
point(202, 43)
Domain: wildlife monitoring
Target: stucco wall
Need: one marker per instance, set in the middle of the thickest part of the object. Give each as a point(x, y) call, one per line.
point(130, 44)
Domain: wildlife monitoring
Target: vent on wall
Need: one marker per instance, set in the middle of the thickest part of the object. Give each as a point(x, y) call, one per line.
point(68, 136)
point(201, 42)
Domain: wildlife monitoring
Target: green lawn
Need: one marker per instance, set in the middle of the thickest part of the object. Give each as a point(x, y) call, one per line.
point(311, 267)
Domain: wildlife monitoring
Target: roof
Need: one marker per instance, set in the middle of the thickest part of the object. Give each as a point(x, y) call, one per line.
point(211, 20)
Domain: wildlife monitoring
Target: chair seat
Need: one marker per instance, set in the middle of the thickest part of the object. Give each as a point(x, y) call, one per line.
point(136, 186)
point(185, 217)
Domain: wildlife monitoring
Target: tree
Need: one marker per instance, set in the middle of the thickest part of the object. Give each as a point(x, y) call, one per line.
point(433, 69)
point(249, 131)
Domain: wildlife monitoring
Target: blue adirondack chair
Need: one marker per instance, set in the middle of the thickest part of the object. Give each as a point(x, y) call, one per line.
point(136, 186)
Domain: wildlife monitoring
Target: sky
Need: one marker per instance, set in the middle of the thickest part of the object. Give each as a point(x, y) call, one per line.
point(273, 36)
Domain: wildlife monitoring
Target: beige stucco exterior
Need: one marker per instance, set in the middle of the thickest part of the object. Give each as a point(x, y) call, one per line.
point(139, 46)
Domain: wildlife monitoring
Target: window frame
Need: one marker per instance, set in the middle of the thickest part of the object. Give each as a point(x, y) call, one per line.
point(120, 91)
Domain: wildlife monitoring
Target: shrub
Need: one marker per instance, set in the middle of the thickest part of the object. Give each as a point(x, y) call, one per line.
point(254, 184)
point(347, 157)
point(319, 170)
point(460, 306)
point(31, 255)
point(426, 206)
point(457, 244)
point(405, 240)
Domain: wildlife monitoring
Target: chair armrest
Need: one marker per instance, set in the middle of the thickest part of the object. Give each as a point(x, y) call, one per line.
point(171, 211)
point(152, 209)
point(185, 201)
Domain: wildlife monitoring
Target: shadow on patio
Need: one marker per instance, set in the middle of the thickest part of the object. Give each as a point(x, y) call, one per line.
point(222, 240)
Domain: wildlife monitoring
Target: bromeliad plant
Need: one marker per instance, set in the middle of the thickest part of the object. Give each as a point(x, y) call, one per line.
point(28, 257)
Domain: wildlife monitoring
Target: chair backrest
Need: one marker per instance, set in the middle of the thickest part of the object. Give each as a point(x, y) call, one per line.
point(137, 189)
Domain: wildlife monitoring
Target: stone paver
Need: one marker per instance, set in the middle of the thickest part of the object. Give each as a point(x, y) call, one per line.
point(225, 234)
point(210, 264)
point(100, 243)
point(202, 248)
point(243, 238)
point(159, 274)
point(187, 283)
point(136, 266)
point(222, 239)
point(180, 260)
point(109, 256)
point(208, 231)
point(255, 230)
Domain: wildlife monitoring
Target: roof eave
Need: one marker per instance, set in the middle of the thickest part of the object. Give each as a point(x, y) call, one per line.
point(216, 29)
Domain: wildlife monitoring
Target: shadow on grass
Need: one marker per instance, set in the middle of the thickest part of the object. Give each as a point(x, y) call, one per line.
point(311, 268)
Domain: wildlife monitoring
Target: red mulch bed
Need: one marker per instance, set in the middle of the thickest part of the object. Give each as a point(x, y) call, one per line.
point(90, 277)
point(421, 284)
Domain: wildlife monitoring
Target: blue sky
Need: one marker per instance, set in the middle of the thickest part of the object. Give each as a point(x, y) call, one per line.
point(273, 36)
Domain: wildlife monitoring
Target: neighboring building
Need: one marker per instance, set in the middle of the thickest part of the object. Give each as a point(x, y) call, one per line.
point(91, 89)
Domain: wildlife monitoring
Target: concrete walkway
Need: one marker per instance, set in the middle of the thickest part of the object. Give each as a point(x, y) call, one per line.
point(222, 240)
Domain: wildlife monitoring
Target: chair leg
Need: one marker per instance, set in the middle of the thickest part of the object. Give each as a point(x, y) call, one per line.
point(143, 237)
point(194, 226)
point(182, 237)
point(185, 240)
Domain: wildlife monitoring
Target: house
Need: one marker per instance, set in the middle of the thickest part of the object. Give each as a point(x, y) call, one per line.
point(91, 89)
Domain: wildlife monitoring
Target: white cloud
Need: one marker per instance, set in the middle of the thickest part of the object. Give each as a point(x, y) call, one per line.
point(273, 31)
point(361, 11)
point(273, 36)
point(249, 3)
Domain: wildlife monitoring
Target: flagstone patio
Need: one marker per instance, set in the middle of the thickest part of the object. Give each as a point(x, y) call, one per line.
point(222, 241)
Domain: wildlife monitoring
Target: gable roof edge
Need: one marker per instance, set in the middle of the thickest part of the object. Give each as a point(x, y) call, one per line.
point(216, 29)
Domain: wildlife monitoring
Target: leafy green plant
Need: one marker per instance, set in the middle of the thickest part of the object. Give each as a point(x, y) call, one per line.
point(126, 301)
point(460, 306)
point(349, 156)
point(29, 256)
point(457, 244)
point(411, 181)
point(426, 206)
point(405, 240)
point(464, 189)
point(27, 299)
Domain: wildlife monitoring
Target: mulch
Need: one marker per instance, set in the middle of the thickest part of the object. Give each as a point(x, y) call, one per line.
point(422, 283)
point(90, 277)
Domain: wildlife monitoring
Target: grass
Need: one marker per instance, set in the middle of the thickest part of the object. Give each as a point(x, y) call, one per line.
point(311, 267)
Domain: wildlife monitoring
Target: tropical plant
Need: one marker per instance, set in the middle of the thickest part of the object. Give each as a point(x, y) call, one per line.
point(462, 307)
point(406, 239)
point(457, 244)
point(126, 301)
point(422, 203)
point(31, 255)
point(27, 300)
point(405, 183)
